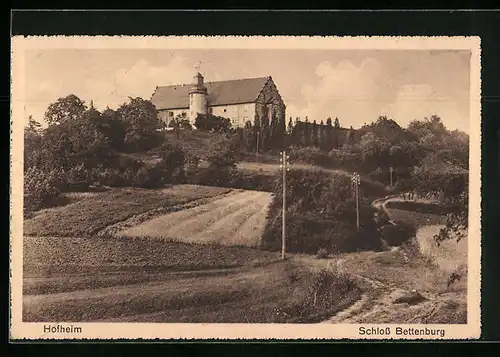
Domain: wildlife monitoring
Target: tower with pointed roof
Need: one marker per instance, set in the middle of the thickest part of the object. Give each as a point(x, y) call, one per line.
point(197, 98)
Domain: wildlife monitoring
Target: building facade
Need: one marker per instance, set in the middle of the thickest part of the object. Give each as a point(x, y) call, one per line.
point(238, 100)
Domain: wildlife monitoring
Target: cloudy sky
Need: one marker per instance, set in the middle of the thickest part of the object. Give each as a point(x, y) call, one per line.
point(354, 85)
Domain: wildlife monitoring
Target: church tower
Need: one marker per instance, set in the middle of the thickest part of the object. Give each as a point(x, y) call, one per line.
point(197, 98)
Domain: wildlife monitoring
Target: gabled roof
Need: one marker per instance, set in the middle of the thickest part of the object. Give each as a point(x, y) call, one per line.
point(236, 91)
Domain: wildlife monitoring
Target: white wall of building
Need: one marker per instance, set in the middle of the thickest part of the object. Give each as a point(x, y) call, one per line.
point(167, 115)
point(239, 114)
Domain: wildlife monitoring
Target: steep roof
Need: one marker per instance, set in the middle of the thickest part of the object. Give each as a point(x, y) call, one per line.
point(219, 93)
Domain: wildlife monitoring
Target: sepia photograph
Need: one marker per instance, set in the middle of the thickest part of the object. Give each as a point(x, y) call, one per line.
point(253, 187)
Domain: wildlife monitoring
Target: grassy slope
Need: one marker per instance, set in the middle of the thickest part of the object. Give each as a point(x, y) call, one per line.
point(93, 213)
point(195, 142)
point(128, 280)
point(82, 277)
point(235, 219)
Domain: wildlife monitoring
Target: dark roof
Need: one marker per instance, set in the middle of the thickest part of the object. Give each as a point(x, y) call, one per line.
point(219, 93)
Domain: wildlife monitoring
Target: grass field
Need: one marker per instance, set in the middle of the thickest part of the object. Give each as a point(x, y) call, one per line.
point(55, 256)
point(134, 280)
point(94, 212)
point(417, 219)
point(72, 272)
point(236, 219)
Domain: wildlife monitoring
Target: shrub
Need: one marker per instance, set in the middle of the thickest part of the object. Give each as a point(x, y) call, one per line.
point(211, 122)
point(320, 214)
point(310, 155)
point(171, 165)
point(398, 233)
point(39, 188)
point(346, 160)
point(321, 288)
point(326, 285)
point(322, 253)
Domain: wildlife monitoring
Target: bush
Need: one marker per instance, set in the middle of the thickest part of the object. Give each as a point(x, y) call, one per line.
point(320, 214)
point(345, 160)
point(310, 155)
point(39, 188)
point(321, 288)
point(322, 253)
point(327, 285)
point(398, 233)
point(209, 122)
point(171, 166)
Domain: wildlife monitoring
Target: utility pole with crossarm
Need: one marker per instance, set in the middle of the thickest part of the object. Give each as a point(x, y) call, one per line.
point(285, 166)
point(356, 180)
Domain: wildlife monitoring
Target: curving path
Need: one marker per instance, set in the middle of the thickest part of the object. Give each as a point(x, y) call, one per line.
point(377, 305)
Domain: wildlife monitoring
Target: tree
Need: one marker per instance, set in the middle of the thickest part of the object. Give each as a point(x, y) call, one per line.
point(139, 115)
point(306, 133)
point(67, 108)
point(281, 132)
point(315, 133)
point(172, 163)
point(209, 122)
point(249, 137)
point(289, 137)
point(290, 126)
point(322, 136)
point(274, 132)
point(179, 123)
point(141, 121)
point(264, 129)
point(111, 125)
point(32, 140)
point(336, 133)
point(33, 126)
point(374, 151)
point(431, 125)
point(328, 135)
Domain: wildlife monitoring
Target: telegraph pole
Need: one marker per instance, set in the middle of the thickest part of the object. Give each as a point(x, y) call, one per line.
point(356, 181)
point(285, 167)
point(391, 169)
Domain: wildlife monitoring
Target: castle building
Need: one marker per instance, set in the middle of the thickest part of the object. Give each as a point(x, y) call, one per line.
point(238, 100)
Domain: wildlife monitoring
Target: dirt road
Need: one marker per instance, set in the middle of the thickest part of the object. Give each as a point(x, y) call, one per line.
point(389, 275)
point(235, 219)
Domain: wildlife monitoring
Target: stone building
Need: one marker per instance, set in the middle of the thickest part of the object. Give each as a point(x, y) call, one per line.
point(239, 100)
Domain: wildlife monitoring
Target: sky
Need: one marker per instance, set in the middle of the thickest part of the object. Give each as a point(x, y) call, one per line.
point(356, 86)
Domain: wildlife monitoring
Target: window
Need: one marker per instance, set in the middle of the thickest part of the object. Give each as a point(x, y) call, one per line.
point(210, 110)
point(225, 110)
point(170, 114)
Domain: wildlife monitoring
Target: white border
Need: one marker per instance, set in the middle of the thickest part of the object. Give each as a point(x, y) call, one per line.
point(20, 330)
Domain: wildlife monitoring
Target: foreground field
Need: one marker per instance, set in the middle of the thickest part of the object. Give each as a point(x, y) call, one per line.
point(94, 211)
point(153, 281)
point(98, 259)
point(235, 219)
